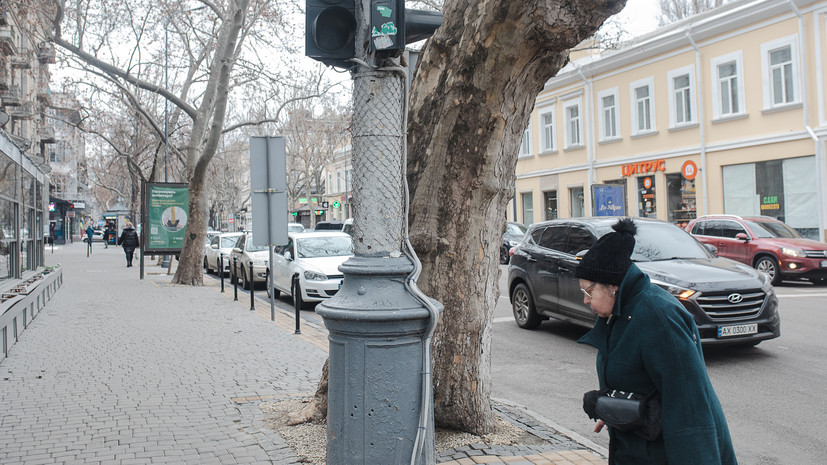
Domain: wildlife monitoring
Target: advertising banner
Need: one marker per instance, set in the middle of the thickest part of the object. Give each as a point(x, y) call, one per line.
point(609, 200)
point(165, 215)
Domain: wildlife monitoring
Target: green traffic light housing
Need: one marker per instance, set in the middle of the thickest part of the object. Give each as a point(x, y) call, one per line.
point(330, 30)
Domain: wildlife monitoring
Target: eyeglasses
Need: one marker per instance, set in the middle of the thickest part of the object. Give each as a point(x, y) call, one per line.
point(586, 290)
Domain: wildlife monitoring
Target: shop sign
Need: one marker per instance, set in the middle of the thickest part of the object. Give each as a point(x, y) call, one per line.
point(608, 200)
point(770, 202)
point(644, 167)
point(689, 170)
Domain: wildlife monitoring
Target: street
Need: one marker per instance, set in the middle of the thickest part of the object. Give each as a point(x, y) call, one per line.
point(770, 393)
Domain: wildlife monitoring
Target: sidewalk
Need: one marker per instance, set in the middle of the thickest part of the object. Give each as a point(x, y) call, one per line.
point(117, 370)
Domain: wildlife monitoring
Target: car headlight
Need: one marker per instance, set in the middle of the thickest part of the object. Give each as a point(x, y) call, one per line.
point(793, 252)
point(313, 276)
point(681, 293)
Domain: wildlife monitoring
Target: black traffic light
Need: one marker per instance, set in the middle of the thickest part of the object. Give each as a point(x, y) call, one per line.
point(330, 30)
point(392, 26)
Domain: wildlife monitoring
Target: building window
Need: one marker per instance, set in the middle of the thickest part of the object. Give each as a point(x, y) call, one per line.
point(680, 193)
point(608, 114)
point(728, 87)
point(339, 181)
point(576, 202)
point(550, 200)
point(682, 92)
point(528, 207)
point(525, 143)
point(329, 183)
point(643, 108)
point(574, 127)
point(781, 74)
point(547, 132)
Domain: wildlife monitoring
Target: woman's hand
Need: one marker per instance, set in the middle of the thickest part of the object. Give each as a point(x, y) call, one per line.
point(599, 426)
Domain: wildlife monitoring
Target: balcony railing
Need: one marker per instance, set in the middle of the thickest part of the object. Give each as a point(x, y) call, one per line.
point(22, 60)
point(47, 135)
point(45, 52)
point(11, 97)
point(24, 111)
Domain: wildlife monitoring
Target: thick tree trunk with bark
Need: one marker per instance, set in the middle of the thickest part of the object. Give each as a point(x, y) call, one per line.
point(471, 100)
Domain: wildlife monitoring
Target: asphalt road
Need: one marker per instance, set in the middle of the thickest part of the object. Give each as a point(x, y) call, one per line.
point(772, 394)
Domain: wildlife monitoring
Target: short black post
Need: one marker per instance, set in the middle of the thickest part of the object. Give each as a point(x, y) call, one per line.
point(235, 280)
point(252, 287)
point(298, 313)
point(221, 270)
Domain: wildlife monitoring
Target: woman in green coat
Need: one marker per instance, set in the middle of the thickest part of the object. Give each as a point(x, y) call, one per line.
point(648, 344)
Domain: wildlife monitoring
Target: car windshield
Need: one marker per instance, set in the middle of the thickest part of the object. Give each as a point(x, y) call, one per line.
point(328, 246)
point(250, 247)
point(295, 228)
point(228, 242)
point(515, 229)
point(663, 241)
point(772, 229)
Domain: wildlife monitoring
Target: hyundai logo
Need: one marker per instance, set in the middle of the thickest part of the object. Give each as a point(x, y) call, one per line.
point(735, 298)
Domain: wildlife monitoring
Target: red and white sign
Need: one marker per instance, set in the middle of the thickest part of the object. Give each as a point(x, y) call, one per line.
point(647, 182)
point(689, 170)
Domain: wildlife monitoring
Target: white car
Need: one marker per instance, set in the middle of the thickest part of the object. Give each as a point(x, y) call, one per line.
point(246, 254)
point(307, 267)
point(220, 246)
point(97, 236)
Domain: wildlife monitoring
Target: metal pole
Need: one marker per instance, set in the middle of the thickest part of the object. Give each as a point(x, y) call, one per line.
point(269, 284)
point(221, 270)
point(298, 313)
point(252, 287)
point(378, 328)
point(235, 279)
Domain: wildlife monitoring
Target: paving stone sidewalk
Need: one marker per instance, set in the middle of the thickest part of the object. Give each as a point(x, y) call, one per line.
point(117, 370)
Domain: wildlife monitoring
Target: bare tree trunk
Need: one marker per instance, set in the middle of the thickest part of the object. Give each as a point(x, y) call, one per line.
point(471, 100)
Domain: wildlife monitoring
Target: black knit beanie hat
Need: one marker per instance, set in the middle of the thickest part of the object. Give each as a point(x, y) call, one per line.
point(608, 259)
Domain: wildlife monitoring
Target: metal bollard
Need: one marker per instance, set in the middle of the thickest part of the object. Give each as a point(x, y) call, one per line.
point(252, 287)
point(221, 270)
point(235, 280)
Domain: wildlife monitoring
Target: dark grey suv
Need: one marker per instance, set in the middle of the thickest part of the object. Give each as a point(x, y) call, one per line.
point(731, 302)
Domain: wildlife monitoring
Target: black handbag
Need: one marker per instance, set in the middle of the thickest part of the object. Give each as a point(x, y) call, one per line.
point(625, 411)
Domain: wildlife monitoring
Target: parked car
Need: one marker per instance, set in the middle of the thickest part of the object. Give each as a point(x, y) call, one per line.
point(307, 267)
point(295, 227)
point(97, 236)
point(512, 236)
point(221, 245)
point(329, 226)
point(764, 243)
point(245, 252)
point(348, 226)
point(730, 302)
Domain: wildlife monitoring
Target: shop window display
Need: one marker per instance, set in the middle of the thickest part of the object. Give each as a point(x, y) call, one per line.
point(646, 197)
point(680, 199)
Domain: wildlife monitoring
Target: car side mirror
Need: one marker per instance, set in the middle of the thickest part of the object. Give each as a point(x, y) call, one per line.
point(236, 250)
point(712, 249)
point(288, 256)
point(742, 237)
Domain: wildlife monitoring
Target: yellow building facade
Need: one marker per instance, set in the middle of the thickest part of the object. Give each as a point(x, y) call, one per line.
point(725, 112)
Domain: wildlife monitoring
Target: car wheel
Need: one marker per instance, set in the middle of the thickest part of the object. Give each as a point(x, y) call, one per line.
point(276, 293)
point(244, 283)
point(522, 305)
point(769, 266)
point(503, 255)
point(818, 281)
point(298, 302)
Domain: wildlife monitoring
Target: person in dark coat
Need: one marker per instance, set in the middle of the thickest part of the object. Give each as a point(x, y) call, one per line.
point(129, 241)
point(89, 233)
point(648, 344)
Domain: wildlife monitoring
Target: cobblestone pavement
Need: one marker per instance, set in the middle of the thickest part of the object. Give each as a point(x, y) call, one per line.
point(117, 370)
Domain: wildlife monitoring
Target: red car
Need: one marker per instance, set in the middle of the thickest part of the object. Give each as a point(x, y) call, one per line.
point(764, 243)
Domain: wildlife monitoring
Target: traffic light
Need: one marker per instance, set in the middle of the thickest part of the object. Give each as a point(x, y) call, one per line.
point(330, 29)
point(392, 26)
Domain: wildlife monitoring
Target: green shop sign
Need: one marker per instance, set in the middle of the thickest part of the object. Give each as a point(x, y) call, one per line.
point(166, 213)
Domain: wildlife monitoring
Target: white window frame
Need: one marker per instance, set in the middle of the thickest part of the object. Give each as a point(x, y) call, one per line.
point(604, 136)
point(548, 132)
point(567, 134)
point(673, 108)
point(633, 103)
point(738, 58)
point(771, 46)
point(525, 143)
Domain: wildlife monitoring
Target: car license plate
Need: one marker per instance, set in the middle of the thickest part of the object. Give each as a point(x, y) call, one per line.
point(737, 330)
point(824, 263)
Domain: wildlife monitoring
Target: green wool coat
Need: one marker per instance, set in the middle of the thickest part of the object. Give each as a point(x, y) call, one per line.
point(649, 345)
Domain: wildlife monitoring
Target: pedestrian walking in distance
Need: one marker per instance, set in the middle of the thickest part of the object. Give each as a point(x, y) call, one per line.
point(89, 233)
point(129, 241)
point(649, 348)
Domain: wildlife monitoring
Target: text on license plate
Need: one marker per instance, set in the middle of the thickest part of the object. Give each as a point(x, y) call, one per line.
point(824, 263)
point(737, 330)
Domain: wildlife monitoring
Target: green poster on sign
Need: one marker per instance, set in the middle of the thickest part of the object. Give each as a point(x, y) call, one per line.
point(166, 208)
